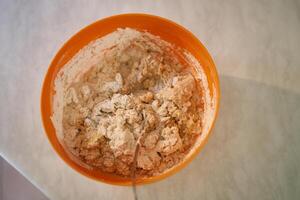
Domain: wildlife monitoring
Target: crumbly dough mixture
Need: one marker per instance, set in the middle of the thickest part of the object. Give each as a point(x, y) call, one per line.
point(135, 89)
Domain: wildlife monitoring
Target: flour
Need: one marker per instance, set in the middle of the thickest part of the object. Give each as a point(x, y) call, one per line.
point(129, 87)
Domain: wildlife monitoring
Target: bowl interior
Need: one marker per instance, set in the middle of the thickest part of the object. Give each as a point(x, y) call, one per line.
point(164, 28)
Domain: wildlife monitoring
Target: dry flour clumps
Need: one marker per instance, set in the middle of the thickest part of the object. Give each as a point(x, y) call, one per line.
point(125, 87)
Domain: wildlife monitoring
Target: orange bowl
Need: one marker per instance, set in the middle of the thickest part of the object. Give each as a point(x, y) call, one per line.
point(167, 30)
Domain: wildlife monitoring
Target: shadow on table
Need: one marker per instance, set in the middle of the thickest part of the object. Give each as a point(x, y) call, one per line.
point(253, 152)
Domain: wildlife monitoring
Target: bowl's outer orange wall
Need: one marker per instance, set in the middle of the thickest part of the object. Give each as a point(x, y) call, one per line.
point(164, 28)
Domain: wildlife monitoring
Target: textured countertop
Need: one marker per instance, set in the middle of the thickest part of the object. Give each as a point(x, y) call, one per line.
point(254, 151)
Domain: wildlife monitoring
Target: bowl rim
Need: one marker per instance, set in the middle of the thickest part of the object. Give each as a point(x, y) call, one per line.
point(148, 180)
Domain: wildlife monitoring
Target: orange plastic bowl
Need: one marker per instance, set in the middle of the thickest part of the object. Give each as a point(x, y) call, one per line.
point(164, 28)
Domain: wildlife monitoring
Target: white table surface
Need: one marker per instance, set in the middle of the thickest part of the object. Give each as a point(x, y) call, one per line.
point(254, 151)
